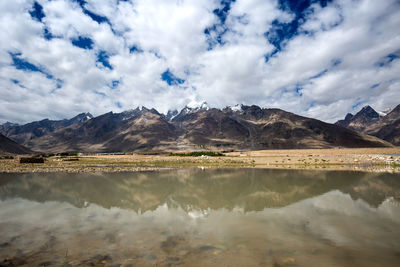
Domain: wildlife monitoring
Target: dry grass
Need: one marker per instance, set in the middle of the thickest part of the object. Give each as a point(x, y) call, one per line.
point(119, 163)
point(369, 159)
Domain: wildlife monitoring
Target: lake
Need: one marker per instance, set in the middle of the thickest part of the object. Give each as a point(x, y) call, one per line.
point(197, 217)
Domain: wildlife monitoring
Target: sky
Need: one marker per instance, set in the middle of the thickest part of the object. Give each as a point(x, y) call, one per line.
point(317, 58)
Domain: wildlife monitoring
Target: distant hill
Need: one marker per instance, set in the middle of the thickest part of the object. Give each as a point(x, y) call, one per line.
point(368, 121)
point(26, 134)
point(8, 146)
point(193, 128)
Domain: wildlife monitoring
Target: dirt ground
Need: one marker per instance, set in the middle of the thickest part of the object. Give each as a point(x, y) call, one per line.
point(366, 159)
point(380, 159)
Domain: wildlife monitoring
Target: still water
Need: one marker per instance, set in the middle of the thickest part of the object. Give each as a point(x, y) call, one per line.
point(194, 217)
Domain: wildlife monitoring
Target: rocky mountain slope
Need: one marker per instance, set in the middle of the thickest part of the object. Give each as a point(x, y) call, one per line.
point(362, 120)
point(368, 121)
point(252, 127)
point(193, 128)
point(26, 134)
point(139, 129)
point(8, 146)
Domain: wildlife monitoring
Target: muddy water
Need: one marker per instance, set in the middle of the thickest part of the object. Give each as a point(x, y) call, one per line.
point(194, 217)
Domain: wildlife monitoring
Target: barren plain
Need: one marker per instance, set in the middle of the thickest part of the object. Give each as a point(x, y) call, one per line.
point(364, 159)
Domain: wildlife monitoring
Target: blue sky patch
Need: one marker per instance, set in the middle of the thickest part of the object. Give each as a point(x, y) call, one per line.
point(37, 12)
point(375, 85)
point(21, 64)
point(103, 57)
point(18, 83)
point(135, 49)
point(115, 84)
point(47, 34)
point(25, 65)
point(170, 78)
point(81, 3)
point(299, 85)
point(214, 35)
point(222, 13)
point(83, 42)
point(215, 32)
point(99, 19)
point(385, 61)
point(334, 63)
point(299, 91)
point(299, 6)
point(280, 32)
point(59, 83)
point(267, 57)
point(320, 74)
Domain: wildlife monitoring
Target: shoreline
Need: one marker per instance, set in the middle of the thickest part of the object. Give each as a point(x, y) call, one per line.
point(357, 159)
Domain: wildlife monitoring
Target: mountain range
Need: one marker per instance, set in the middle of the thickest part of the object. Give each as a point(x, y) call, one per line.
point(238, 127)
point(368, 121)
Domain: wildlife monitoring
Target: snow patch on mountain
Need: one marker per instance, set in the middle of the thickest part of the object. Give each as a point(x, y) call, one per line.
point(171, 114)
point(88, 116)
point(194, 105)
point(129, 114)
point(236, 108)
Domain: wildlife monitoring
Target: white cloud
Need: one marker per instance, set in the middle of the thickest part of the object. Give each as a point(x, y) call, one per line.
point(331, 70)
point(323, 18)
point(65, 18)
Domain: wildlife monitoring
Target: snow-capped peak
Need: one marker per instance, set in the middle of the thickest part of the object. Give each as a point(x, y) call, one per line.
point(236, 108)
point(198, 105)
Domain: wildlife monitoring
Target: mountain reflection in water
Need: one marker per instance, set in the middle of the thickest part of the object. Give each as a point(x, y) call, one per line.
point(193, 217)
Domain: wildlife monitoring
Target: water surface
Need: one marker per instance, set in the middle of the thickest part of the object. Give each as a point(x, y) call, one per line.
point(193, 217)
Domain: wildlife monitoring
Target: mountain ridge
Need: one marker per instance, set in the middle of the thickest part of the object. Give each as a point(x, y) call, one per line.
point(232, 128)
point(361, 120)
point(22, 134)
point(368, 121)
